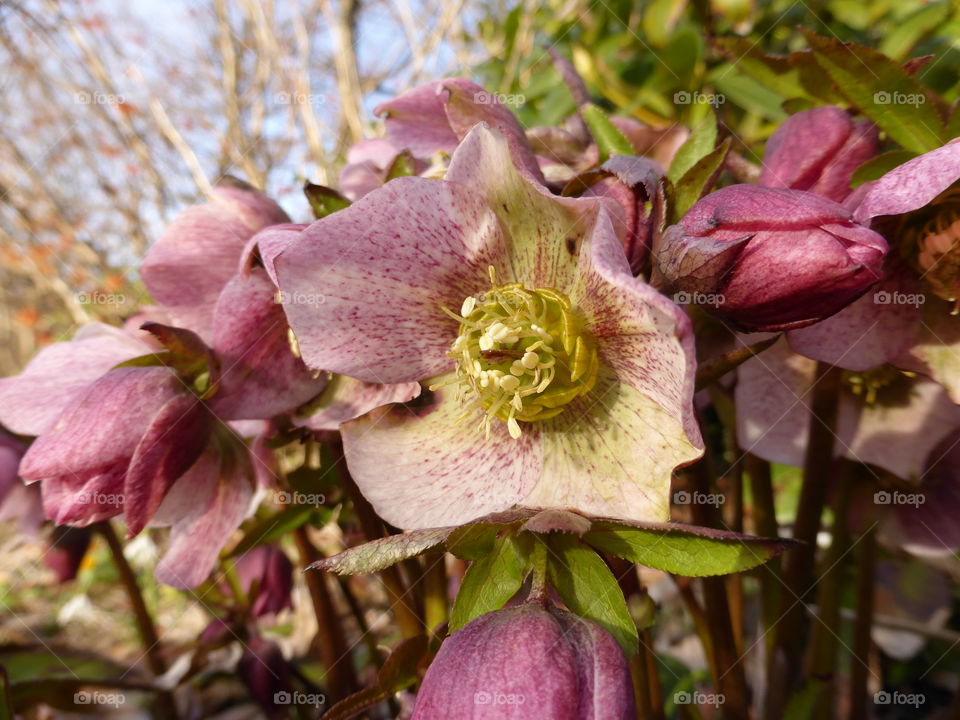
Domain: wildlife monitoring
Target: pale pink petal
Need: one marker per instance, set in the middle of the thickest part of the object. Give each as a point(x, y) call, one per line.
point(203, 508)
point(259, 374)
point(913, 184)
point(31, 401)
point(936, 350)
point(363, 287)
point(871, 331)
point(346, 398)
point(266, 245)
point(198, 254)
point(417, 121)
point(420, 468)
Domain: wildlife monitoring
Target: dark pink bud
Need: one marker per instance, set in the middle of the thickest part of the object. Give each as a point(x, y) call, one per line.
point(67, 548)
point(265, 672)
point(817, 151)
point(527, 663)
point(268, 573)
point(768, 259)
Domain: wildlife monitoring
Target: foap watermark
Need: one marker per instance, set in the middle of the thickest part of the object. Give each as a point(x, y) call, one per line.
point(97, 98)
point(696, 697)
point(895, 497)
point(101, 298)
point(699, 298)
point(282, 697)
point(684, 497)
point(898, 98)
point(489, 98)
point(299, 98)
point(299, 298)
point(96, 697)
point(481, 697)
point(682, 97)
point(898, 698)
point(100, 498)
point(885, 297)
point(294, 497)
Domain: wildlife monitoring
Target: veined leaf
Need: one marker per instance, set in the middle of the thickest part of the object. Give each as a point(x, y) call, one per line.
point(610, 141)
point(700, 143)
point(489, 582)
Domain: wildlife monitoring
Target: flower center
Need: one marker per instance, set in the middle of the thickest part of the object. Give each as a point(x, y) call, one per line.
point(936, 244)
point(882, 385)
point(521, 354)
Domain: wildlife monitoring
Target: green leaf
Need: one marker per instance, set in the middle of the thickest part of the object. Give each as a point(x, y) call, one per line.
point(403, 165)
point(272, 527)
point(585, 584)
point(700, 143)
point(489, 582)
point(877, 167)
point(383, 552)
point(883, 91)
point(698, 179)
point(683, 550)
point(901, 40)
point(610, 141)
point(323, 200)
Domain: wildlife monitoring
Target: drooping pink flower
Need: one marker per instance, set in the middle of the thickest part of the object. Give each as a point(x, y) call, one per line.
point(767, 258)
point(266, 574)
point(571, 380)
point(527, 662)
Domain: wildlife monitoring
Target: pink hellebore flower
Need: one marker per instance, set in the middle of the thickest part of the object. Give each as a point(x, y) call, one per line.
point(266, 574)
point(817, 151)
point(556, 378)
point(527, 663)
point(909, 321)
point(767, 258)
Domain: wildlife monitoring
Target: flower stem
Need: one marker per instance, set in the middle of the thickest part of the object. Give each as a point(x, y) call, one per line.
point(334, 654)
point(145, 625)
point(539, 590)
point(435, 601)
point(765, 524)
point(860, 667)
point(798, 564)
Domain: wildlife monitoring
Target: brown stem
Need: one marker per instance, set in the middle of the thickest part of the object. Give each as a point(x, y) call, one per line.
point(866, 568)
point(334, 654)
point(653, 676)
point(145, 626)
point(798, 564)
point(730, 677)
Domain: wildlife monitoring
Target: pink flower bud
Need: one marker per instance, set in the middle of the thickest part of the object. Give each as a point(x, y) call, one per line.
point(531, 663)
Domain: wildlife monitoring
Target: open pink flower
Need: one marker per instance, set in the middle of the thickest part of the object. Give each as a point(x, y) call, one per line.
point(556, 378)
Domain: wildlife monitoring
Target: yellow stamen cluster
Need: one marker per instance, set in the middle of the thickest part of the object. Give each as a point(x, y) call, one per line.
point(522, 355)
point(883, 385)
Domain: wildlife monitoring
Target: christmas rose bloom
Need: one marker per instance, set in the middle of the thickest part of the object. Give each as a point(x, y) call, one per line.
point(555, 378)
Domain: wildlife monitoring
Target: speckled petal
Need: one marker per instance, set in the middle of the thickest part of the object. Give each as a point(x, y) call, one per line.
point(187, 268)
point(544, 231)
point(871, 331)
point(421, 468)
point(913, 184)
point(259, 374)
point(32, 400)
point(936, 352)
point(384, 267)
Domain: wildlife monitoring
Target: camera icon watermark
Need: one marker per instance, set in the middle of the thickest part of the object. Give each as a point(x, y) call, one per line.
point(294, 497)
point(299, 98)
point(898, 698)
point(488, 98)
point(96, 697)
point(895, 497)
point(101, 298)
point(481, 697)
point(696, 697)
point(883, 97)
point(698, 298)
point(283, 697)
point(884, 297)
point(97, 98)
point(299, 298)
point(683, 97)
point(684, 497)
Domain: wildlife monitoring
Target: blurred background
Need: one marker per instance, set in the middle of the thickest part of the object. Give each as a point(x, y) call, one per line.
point(116, 115)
